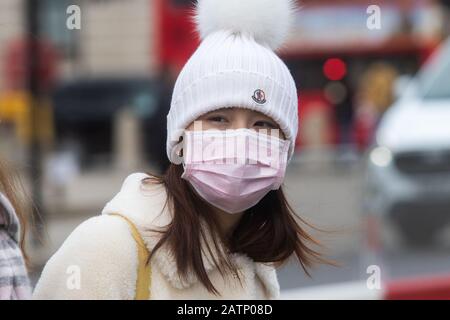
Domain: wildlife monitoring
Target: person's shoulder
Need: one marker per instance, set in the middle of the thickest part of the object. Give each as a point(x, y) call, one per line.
point(88, 252)
point(141, 198)
point(96, 240)
point(104, 232)
point(135, 179)
point(141, 184)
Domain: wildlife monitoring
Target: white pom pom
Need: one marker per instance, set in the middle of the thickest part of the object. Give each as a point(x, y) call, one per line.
point(267, 21)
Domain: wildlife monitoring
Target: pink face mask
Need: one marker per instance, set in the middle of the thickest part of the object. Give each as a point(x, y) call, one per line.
point(234, 169)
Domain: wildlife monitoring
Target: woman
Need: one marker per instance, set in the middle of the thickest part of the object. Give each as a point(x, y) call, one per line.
point(14, 282)
point(206, 228)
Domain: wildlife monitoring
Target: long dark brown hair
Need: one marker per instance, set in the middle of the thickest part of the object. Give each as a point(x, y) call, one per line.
point(269, 232)
point(11, 187)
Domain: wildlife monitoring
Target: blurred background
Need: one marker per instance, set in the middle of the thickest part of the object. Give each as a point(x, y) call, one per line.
point(85, 86)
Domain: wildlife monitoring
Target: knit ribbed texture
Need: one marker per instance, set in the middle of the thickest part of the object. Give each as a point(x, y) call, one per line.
point(225, 71)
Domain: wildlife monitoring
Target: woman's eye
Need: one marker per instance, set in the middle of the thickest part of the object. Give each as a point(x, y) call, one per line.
point(265, 124)
point(218, 119)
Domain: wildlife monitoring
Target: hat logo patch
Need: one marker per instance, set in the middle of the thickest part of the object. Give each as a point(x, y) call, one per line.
point(259, 96)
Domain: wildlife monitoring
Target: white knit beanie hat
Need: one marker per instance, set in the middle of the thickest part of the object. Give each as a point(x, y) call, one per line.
point(235, 66)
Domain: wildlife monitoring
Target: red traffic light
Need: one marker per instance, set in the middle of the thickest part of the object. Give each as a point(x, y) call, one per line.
point(335, 69)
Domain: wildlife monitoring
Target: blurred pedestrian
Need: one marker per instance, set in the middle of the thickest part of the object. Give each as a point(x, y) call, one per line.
point(14, 282)
point(205, 229)
point(375, 96)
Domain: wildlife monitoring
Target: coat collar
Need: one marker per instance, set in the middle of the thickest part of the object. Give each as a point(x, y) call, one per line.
point(8, 217)
point(134, 201)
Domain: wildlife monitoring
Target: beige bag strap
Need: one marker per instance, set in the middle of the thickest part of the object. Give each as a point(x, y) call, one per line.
point(144, 270)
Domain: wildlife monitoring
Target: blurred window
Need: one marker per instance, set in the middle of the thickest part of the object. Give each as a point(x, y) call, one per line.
point(84, 112)
point(435, 82)
point(441, 86)
point(53, 19)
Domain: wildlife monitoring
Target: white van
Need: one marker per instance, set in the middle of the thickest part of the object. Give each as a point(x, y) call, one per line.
point(408, 177)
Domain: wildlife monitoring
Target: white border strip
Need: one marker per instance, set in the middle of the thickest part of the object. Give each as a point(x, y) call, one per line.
point(356, 290)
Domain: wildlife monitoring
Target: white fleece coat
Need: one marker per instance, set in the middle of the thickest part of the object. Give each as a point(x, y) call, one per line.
point(102, 254)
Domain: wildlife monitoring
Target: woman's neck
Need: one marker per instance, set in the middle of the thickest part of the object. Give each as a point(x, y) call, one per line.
point(227, 221)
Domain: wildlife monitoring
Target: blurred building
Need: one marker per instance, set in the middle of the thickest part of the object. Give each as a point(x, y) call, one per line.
point(101, 76)
point(114, 37)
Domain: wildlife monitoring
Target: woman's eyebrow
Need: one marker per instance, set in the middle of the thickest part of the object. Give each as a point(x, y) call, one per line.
point(215, 113)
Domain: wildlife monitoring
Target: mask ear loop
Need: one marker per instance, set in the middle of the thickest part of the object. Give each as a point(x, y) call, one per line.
point(182, 155)
point(282, 164)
